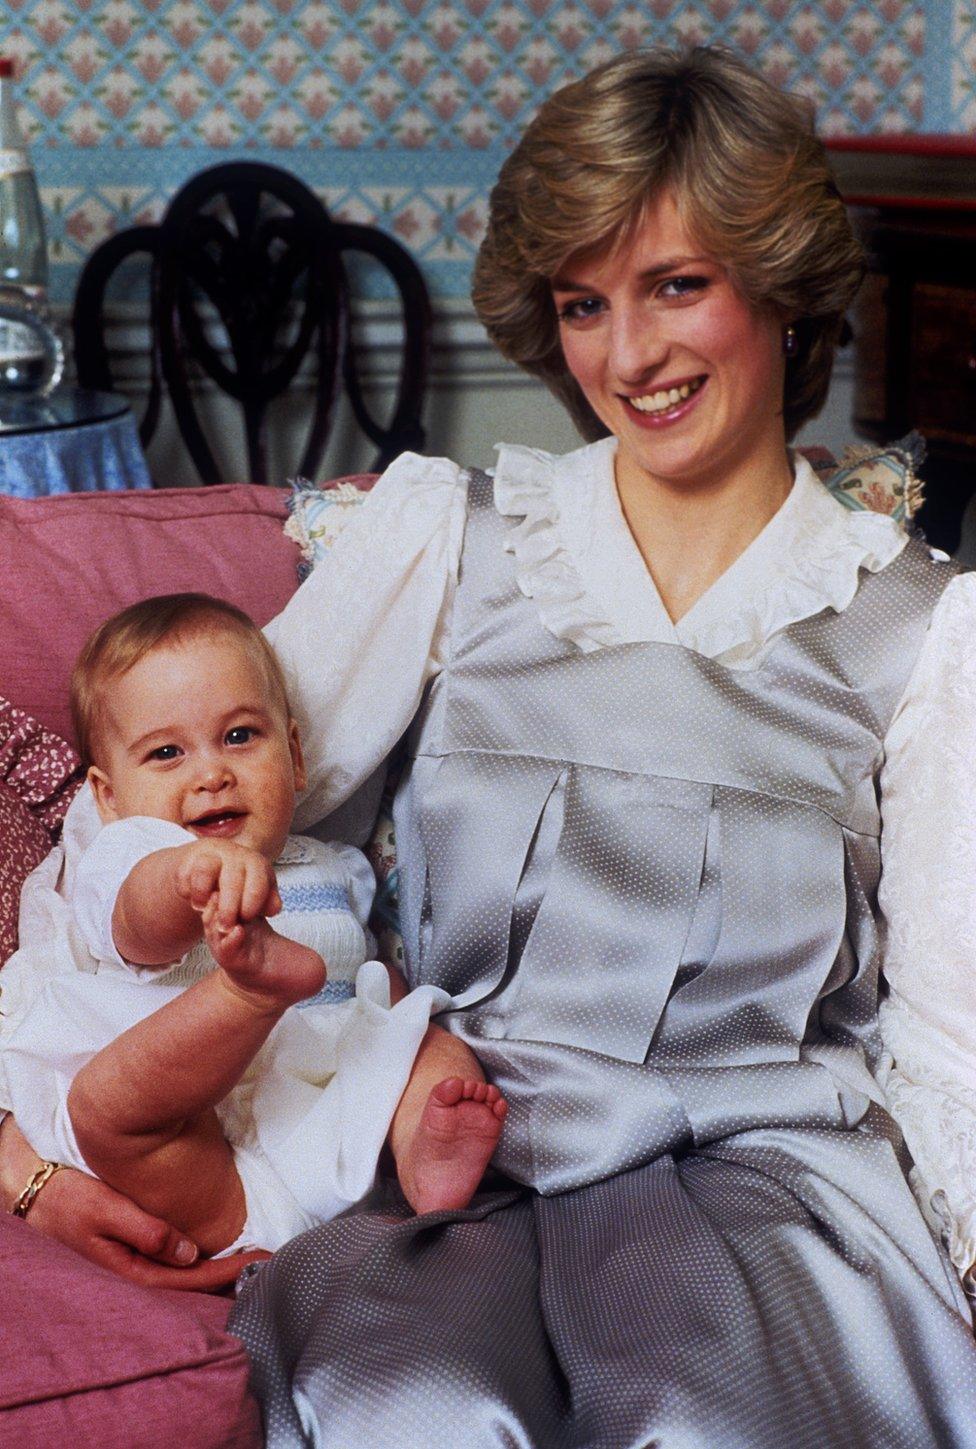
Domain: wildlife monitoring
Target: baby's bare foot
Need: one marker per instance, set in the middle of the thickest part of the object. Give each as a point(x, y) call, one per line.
point(266, 967)
point(455, 1138)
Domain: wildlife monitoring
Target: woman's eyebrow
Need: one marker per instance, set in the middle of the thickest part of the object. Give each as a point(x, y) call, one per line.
point(562, 283)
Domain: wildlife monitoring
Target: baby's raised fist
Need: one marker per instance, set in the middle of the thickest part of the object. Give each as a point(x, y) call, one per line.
point(239, 880)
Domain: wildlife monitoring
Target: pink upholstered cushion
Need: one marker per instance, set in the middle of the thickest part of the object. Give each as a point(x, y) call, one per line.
point(70, 561)
point(86, 1358)
point(39, 774)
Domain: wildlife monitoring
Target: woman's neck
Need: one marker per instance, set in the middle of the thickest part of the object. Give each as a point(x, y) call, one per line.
point(689, 536)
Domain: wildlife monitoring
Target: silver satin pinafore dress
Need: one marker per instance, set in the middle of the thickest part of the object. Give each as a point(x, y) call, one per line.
point(650, 885)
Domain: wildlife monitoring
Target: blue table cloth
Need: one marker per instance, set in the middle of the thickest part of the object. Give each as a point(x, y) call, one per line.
point(91, 456)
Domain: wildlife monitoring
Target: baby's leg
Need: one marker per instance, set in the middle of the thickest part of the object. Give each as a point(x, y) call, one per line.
point(446, 1126)
point(143, 1107)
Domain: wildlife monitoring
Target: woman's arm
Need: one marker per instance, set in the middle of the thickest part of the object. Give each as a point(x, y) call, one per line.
point(365, 633)
point(928, 895)
point(106, 1227)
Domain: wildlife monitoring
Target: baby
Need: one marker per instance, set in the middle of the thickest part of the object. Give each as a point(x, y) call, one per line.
point(184, 1075)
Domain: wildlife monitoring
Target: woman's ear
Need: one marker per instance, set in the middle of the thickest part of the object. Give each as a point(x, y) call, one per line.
point(297, 758)
point(101, 787)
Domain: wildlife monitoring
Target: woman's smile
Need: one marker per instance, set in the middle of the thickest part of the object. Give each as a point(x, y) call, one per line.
point(668, 402)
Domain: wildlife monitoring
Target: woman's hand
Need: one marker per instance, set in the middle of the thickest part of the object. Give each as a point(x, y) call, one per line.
point(107, 1228)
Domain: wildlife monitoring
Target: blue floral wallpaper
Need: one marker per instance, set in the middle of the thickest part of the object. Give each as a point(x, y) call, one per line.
point(401, 113)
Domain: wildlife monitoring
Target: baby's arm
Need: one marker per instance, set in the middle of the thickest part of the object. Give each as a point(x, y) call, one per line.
point(158, 910)
point(447, 1123)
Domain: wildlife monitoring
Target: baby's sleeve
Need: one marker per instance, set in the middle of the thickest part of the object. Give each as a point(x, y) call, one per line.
point(112, 855)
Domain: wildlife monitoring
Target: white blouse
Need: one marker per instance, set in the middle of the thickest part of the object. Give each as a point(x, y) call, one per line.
point(367, 631)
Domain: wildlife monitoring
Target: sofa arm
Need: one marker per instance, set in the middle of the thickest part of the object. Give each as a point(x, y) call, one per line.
point(87, 1358)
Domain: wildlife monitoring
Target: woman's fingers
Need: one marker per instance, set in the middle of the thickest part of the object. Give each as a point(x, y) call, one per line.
point(209, 1275)
point(109, 1229)
point(146, 1235)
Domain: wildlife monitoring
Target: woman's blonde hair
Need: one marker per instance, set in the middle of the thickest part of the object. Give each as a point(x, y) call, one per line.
point(128, 636)
point(747, 172)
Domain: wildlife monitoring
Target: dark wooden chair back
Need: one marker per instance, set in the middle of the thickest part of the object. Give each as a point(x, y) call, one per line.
point(92, 362)
point(248, 285)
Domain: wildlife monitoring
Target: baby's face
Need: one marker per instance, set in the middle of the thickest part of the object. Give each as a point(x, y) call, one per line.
point(194, 735)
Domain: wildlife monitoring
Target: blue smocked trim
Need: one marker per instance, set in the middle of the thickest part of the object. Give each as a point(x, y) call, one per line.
point(314, 898)
point(333, 993)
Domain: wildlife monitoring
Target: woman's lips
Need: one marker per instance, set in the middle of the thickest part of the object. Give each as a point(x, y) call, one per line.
point(665, 406)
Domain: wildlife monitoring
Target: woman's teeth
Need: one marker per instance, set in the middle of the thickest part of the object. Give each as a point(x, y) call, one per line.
point(660, 402)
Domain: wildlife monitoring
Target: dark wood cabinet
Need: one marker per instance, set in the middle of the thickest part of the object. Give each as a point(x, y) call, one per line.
point(914, 322)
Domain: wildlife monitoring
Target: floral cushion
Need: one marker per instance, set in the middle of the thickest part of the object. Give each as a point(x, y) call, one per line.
point(879, 480)
point(317, 515)
point(39, 776)
point(23, 844)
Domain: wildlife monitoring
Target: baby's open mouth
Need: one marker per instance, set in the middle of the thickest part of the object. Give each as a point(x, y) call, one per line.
point(216, 819)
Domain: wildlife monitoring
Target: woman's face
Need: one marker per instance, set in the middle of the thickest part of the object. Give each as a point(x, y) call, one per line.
point(684, 372)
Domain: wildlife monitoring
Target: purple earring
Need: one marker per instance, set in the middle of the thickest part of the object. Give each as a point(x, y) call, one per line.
point(790, 341)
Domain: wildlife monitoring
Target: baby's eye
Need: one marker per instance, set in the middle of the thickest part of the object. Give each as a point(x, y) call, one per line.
point(240, 735)
point(164, 752)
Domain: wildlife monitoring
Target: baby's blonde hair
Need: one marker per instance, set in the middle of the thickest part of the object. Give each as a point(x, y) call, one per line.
point(128, 636)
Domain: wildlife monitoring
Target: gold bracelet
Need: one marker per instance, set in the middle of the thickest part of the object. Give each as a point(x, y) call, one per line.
point(39, 1178)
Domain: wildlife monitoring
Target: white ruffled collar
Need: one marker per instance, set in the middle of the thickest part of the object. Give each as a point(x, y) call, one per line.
point(576, 558)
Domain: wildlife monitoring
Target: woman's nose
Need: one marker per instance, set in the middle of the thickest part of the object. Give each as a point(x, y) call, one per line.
point(638, 347)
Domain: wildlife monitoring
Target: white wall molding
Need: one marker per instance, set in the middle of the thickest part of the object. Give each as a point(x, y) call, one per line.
point(461, 354)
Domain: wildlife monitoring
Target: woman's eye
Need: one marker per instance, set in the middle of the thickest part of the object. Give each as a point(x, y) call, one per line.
point(682, 286)
point(580, 310)
point(240, 735)
point(165, 752)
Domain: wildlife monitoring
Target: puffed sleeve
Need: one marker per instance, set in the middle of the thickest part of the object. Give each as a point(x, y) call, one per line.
point(365, 633)
point(928, 895)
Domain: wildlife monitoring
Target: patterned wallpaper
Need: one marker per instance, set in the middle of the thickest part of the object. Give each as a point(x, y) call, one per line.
point(400, 113)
